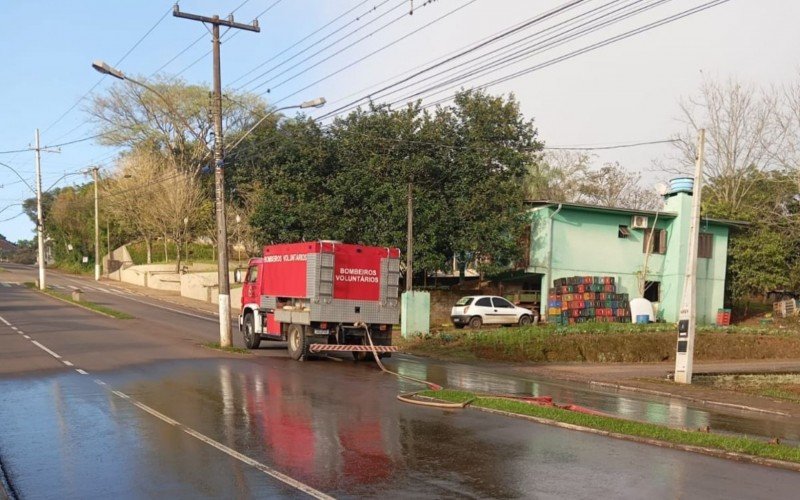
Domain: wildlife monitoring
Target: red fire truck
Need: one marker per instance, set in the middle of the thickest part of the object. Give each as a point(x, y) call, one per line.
point(320, 296)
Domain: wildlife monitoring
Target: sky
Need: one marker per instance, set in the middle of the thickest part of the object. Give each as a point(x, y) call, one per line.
point(625, 92)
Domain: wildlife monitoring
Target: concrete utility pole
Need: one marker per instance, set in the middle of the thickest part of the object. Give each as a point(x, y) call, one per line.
point(687, 318)
point(410, 240)
point(225, 338)
point(96, 227)
point(39, 218)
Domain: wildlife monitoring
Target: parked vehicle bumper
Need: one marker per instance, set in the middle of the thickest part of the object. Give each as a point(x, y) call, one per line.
point(460, 319)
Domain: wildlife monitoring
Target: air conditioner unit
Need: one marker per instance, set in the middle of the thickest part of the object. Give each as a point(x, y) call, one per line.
point(639, 222)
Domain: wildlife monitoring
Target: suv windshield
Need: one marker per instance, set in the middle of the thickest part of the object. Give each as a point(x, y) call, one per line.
point(464, 301)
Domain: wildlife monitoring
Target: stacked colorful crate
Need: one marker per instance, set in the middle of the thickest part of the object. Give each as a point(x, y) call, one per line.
point(587, 298)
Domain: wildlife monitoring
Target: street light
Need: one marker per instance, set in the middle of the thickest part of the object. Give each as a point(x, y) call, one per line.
point(222, 243)
point(313, 103)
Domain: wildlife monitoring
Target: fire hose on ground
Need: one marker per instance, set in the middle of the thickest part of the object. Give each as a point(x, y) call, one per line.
point(410, 397)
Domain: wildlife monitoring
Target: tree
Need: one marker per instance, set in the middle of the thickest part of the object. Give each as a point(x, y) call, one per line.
point(563, 175)
point(741, 138)
point(128, 196)
point(175, 122)
point(68, 215)
point(557, 175)
point(613, 186)
point(466, 163)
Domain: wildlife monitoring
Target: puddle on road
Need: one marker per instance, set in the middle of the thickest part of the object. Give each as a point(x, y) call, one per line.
point(653, 409)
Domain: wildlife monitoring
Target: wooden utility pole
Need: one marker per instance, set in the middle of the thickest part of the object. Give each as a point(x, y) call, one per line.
point(225, 338)
point(687, 318)
point(410, 239)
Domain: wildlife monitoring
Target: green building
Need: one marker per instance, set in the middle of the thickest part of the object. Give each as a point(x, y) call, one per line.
point(573, 239)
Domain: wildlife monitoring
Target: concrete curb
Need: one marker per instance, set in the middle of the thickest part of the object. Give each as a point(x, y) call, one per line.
point(612, 385)
point(729, 455)
point(74, 303)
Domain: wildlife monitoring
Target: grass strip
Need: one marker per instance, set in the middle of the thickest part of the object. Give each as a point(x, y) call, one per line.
point(235, 350)
point(731, 444)
point(106, 311)
point(606, 342)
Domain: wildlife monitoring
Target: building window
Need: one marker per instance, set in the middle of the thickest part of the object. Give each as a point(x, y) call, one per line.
point(652, 291)
point(623, 232)
point(705, 245)
point(654, 241)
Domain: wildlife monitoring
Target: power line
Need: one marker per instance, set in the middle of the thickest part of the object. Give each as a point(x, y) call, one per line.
point(528, 51)
point(617, 146)
point(129, 51)
point(380, 49)
point(504, 34)
point(208, 53)
point(195, 42)
point(12, 151)
point(298, 42)
point(349, 34)
point(516, 42)
point(590, 48)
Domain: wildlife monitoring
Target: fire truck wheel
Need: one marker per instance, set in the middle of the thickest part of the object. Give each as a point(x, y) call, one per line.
point(298, 345)
point(251, 339)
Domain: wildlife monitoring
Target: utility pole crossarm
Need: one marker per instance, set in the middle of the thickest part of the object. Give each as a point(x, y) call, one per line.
point(176, 11)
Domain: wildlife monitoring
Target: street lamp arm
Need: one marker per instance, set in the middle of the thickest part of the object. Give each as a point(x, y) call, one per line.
point(104, 68)
point(19, 176)
point(314, 103)
point(259, 122)
point(68, 174)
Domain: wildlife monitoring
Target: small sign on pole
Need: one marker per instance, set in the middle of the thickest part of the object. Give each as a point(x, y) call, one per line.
point(85, 259)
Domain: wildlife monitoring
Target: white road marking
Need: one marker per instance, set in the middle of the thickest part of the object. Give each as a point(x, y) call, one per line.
point(229, 451)
point(26, 336)
point(202, 437)
point(73, 287)
point(206, 318)
point(45, 349)
point(15, 328)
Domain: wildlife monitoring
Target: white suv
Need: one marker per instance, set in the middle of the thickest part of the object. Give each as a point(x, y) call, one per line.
point(478, 310)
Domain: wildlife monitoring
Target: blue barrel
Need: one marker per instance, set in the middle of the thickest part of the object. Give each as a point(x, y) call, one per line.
point(642, 319)
point(681, 185)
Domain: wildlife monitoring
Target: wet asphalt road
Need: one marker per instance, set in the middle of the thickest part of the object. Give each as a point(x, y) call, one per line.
point(155, 415)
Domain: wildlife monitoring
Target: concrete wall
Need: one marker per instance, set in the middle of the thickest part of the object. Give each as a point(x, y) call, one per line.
point(193, 285)
point(197, 285)
point(164, 280)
